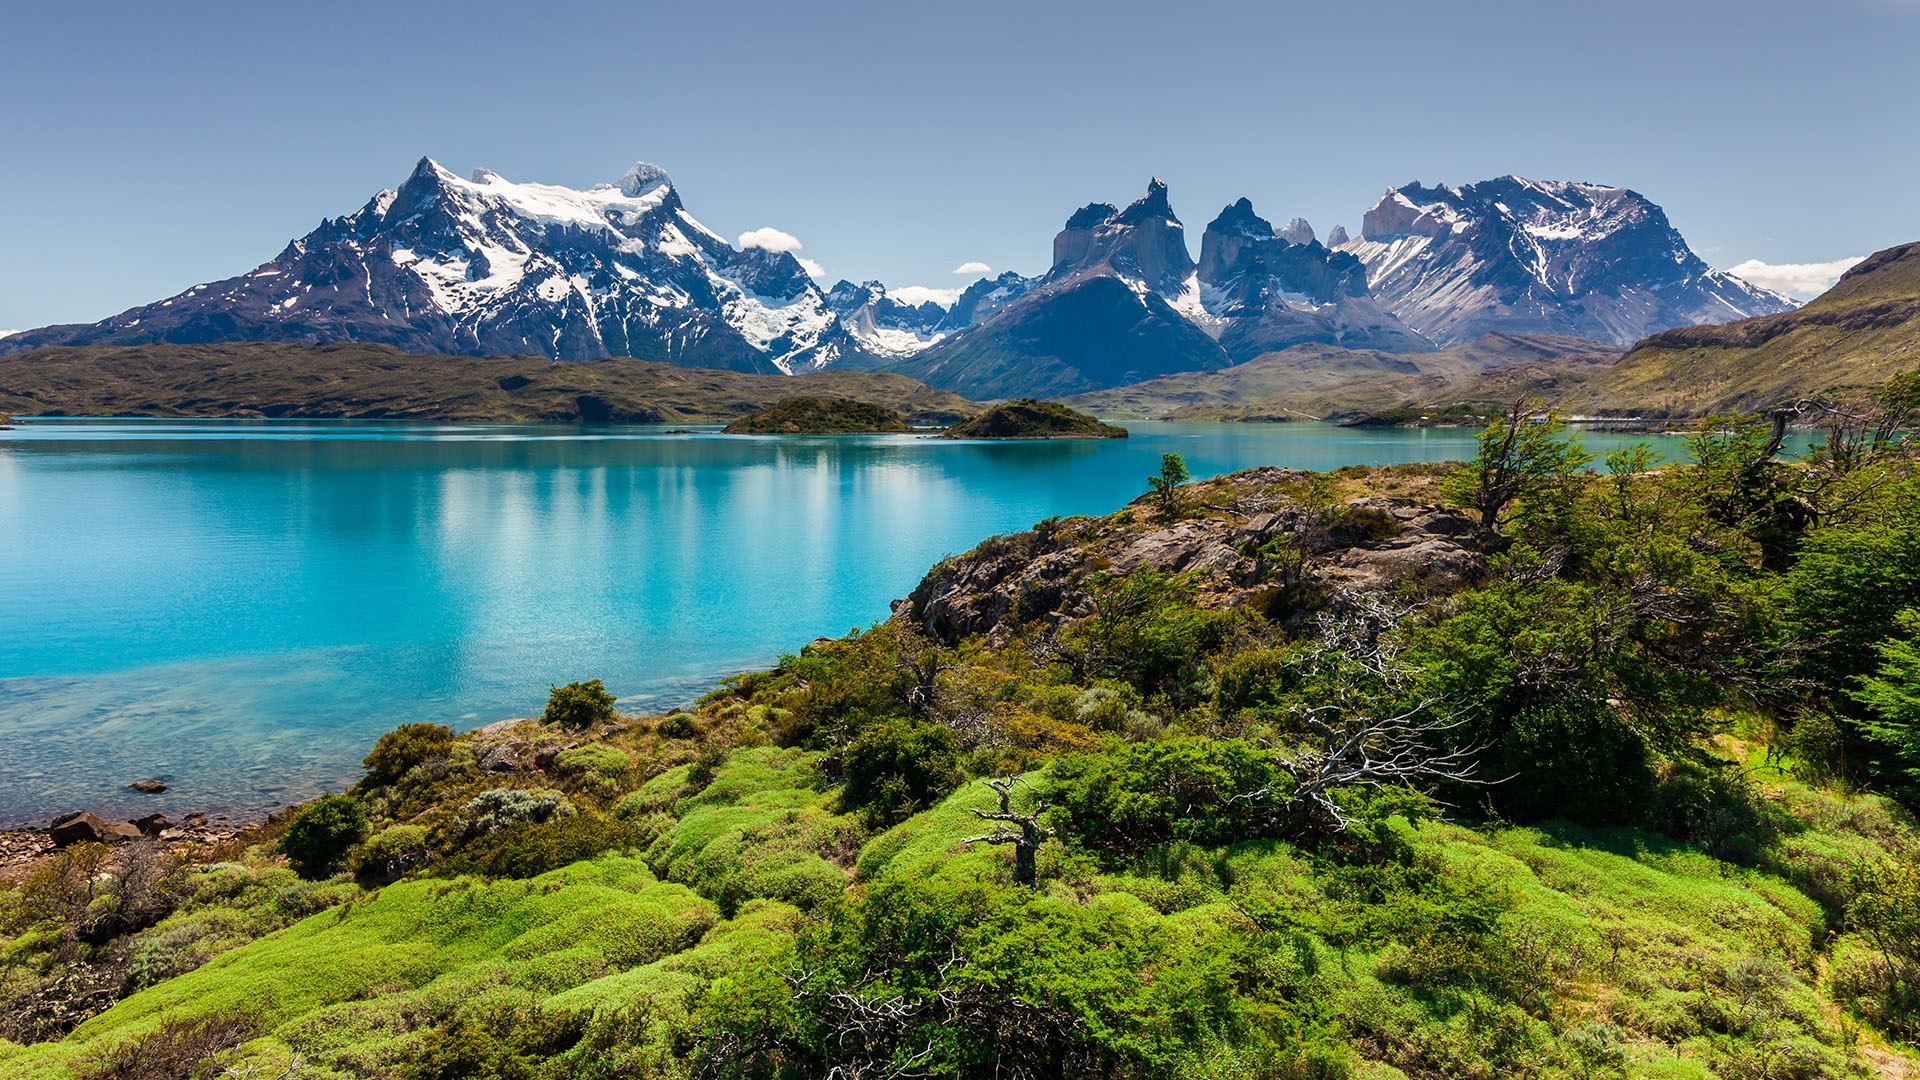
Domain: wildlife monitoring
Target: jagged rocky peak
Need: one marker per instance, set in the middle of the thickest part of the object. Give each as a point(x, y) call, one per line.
point(1144, 242)
point(1150, 207)
point(1240, 244)
point(1232, 238)
point(1338, 237)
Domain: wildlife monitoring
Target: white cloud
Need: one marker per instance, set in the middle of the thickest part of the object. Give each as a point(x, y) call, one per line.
point(1803, 281)
point(8, 333)
point(814, 270)
point(769, 239)
point(973, 266)
point(920, 294)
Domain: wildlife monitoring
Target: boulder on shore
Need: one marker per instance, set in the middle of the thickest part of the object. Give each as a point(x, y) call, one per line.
point(85, 827)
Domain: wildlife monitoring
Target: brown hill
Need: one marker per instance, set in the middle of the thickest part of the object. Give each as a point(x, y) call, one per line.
point(378, 382)
point(1855, 336)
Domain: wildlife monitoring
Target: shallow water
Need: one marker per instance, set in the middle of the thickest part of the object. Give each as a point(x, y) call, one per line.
point(241, 607)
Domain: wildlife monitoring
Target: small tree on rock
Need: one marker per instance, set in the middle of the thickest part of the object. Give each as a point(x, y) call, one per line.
point(1520, 460)
point(1173, 473)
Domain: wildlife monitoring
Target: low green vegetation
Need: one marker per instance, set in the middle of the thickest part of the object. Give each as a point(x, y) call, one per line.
point(1025, 418)
point(820, 416)
point(579, 705)
point(1594, 773)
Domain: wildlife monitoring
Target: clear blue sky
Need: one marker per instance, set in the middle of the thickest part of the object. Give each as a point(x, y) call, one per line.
point(150, 146)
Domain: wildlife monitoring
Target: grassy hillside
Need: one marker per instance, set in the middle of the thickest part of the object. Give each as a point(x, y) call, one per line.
point(1857, 335)
point(377, 382)
point(819, 416)
point(1299, 775)
point(1318, 381)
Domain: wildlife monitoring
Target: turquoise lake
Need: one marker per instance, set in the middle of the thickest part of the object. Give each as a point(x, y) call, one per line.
point(240, 608)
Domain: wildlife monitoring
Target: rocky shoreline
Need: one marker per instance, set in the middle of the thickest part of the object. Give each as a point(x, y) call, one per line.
point(24, 849)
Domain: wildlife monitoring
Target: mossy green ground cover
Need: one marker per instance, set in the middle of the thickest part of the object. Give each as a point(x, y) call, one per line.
point(1676, 960)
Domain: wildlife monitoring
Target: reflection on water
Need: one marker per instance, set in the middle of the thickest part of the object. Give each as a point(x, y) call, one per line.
point(241, 607)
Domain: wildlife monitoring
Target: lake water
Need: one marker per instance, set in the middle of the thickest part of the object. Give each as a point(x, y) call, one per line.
point(239, 608)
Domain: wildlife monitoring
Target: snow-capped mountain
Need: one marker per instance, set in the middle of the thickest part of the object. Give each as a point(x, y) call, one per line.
point(1517, 256)
point(489, 266)
point(1261, 290)
point(1118, 306)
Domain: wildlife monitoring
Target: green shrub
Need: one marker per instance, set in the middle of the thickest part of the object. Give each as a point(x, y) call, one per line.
point(503, 808)
point(1140, 795)
point(390, 853)
point(403, 748)
point(579, 705)
point(178, 1050)
point(1568, 759)
point(321, 832)
point(511, 1045)
point(1257, 679)
point(531, 849)
point(1713, 805)
point(705, 768)
point(899, 768)
point(594, 768)
point(676, 726)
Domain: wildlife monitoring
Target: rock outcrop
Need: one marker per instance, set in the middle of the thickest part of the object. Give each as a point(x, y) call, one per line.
point(1252, 544)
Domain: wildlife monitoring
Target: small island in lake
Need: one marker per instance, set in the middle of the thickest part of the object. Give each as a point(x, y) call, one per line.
point(1025, 418)
point(820, 416)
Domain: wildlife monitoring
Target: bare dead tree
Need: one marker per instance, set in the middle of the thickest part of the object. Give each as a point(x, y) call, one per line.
point(1356, 746)
point(1026, 840)
point(1359, 750)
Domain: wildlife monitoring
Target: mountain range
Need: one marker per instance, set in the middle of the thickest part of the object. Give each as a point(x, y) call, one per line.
point(487, 266)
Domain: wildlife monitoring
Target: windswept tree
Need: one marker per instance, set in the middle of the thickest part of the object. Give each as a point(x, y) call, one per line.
point(1523, 459)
